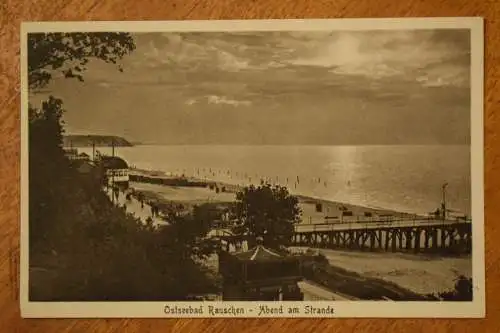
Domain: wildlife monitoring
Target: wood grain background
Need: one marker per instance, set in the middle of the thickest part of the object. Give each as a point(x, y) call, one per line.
point(13, 12)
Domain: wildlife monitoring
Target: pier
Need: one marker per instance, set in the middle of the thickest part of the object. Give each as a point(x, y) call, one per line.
point(416, 236)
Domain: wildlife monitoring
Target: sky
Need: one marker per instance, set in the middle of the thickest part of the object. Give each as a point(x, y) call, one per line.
point(307, 88)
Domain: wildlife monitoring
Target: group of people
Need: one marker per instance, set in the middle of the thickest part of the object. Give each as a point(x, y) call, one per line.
point(155, 210)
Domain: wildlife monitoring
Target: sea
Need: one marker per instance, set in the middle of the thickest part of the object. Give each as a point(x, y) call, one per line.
point(402, 178)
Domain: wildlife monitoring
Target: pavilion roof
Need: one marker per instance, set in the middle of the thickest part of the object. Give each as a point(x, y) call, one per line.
point(260, 254)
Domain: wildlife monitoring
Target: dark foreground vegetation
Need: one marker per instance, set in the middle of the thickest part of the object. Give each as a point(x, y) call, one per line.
point(83, 248)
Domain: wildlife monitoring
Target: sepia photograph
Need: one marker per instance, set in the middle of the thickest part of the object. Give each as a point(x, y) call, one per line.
point(261, 168)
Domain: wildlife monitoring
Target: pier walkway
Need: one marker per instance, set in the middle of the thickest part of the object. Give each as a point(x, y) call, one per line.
point(415, 235)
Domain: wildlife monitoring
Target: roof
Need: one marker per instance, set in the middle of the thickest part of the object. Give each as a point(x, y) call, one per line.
point(113, 162)
point(85, 167)
point(259, 253)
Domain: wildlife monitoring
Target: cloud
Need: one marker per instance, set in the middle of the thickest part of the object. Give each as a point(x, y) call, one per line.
point(289, 70)
point(213, 99)
point(104, 84)
point(378, 55)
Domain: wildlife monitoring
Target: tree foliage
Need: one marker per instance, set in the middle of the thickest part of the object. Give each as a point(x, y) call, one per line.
point(47, 167)
point(186, 234)
point(267, 211)
point(47, 53)
point(102, 253)
point(69, 53)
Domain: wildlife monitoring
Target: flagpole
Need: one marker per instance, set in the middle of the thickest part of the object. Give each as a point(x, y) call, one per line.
point(444, 200)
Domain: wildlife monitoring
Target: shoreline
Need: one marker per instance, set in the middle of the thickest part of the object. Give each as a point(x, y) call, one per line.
point(330, 210)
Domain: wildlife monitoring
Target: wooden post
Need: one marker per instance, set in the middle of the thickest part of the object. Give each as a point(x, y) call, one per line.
point(434, 236)
point(417, 240)
point(393, 241)
point(426, 239)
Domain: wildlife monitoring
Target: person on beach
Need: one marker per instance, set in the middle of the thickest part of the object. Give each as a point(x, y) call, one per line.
point(140, 197)
point(116, 192)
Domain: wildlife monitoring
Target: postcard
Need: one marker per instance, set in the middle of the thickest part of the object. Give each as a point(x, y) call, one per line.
point(252, 168)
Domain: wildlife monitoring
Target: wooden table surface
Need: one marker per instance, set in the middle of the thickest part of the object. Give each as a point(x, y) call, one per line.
point(13, 12)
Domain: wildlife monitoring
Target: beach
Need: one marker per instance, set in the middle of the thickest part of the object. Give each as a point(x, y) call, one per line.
point(421, 274)
point(188, 196)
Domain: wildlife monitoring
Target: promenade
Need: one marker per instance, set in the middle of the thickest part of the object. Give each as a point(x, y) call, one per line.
point(134, 207)
point(314, 292)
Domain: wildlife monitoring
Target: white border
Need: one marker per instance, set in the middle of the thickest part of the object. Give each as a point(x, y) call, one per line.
point(343, 309)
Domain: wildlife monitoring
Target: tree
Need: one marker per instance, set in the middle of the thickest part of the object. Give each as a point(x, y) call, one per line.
point(270, 212)
point(187, 234)
point(69, 53)
point(46, 165)
point(47, 54)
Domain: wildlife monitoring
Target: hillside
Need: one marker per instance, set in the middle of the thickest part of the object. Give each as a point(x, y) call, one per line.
point(98, 140)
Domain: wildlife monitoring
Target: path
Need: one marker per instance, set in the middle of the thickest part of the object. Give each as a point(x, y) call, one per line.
point(313, 292)
point(133, 206)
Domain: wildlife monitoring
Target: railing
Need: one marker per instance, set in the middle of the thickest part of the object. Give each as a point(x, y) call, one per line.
point(374, 224)
point(354, 225)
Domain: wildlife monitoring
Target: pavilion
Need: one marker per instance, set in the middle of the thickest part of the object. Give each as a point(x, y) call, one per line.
point(260, 274)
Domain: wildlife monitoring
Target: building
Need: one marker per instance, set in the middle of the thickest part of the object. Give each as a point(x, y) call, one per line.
point(260, 274)
point(70, 153)
point(83, 157)
point(84, 167)
point(115, 171)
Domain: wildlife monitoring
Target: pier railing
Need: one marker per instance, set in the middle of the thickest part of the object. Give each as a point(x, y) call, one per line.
point(221, 230)
point(380, 223)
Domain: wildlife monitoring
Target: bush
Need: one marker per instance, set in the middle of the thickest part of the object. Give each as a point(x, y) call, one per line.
point(462, 292)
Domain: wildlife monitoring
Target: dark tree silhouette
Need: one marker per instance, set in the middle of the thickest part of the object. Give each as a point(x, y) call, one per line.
point(49, 53)
point(69, 53)
point(187, 234)
point(267, 211)
point(47, 166)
